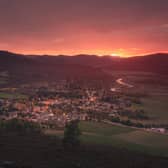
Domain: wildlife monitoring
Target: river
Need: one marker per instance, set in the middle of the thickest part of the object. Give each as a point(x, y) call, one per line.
point(121, 82)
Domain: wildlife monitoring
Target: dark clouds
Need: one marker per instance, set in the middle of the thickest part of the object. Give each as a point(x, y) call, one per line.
point(77, 24)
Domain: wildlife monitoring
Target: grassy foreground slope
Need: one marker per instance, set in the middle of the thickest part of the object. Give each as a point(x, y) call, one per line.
point(41, 151)
point(121, 138)
point(124, 137)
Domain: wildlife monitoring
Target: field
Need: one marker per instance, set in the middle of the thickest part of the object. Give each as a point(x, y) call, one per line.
point(121, 137)
point(157, 108)
point(124, 137)
point(154, 87)
point(3, 77)
point(41, 151)
point(155, 104)
point(3, 81)
point(4, 95)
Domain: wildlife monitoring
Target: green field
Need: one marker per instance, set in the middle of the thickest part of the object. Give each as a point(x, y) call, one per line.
point(121, 137)
point(125, 137)
point(4, 77)
point(4, 95)
point(157, 108)
point(3, 81)
point(39, 151)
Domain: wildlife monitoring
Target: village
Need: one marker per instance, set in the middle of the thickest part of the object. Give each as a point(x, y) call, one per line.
point(56, 107)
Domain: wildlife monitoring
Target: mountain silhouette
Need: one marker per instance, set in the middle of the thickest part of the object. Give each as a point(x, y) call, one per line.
point(24, 68)
point(28, 68)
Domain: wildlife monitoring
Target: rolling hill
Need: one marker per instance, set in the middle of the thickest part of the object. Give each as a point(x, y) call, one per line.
point(156, 63)
point(32, 68)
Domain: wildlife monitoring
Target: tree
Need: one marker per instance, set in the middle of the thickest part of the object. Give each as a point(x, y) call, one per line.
point(19, 126)
point(72, 134)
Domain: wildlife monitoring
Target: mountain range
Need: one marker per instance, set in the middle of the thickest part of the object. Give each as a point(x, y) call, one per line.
point(45, 67)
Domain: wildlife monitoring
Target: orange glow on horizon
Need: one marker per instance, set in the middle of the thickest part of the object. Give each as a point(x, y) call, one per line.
point(115, 53)
point(55, 53)
point(72, 53)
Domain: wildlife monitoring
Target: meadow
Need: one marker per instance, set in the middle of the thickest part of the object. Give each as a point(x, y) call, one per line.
point(41, 151)
point(125, 137)
point(6, 95)
point(120, 137)
point(157, 108)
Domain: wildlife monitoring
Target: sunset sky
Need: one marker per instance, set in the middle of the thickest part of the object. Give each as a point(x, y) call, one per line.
point(102, 27)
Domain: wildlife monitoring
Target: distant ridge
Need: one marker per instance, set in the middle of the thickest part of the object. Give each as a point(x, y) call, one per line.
point(80, 66)
point(23, 69)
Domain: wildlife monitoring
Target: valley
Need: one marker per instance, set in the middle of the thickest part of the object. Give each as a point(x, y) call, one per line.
point(121, 109)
